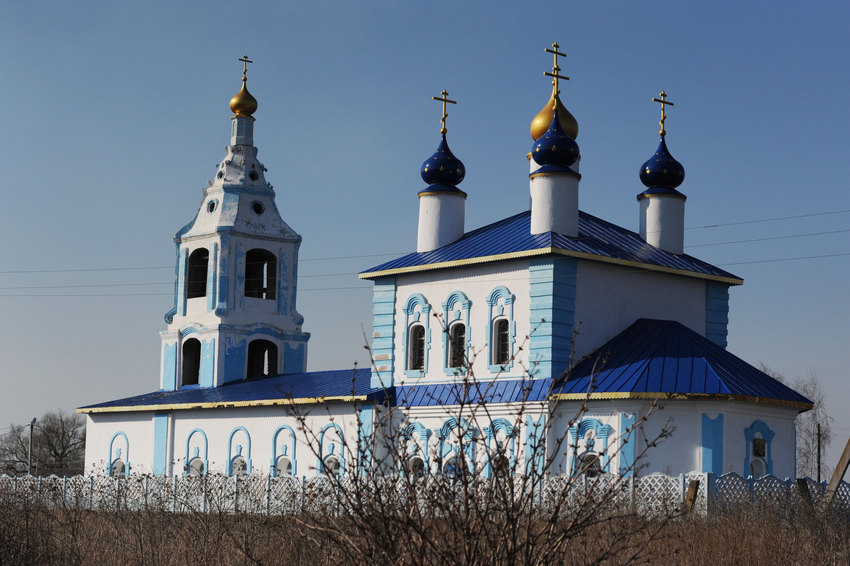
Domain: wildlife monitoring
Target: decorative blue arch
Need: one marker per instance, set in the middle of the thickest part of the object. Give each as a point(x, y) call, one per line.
point(287, 450)
point(456, 311)
point(320, 464)
point(231, 455)
point(761, 428)
point(412, 316)
point(500, 303)
point(444, 448)
point(497, 425)
point(411, 448)
point(115, 454)
point(204, 458)
point(601, 432)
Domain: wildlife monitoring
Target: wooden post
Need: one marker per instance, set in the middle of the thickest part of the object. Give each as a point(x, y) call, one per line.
point(837, 475)
point(691, 496)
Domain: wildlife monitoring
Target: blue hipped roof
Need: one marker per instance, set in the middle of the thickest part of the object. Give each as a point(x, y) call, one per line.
point(665, 357)
point(512, 237)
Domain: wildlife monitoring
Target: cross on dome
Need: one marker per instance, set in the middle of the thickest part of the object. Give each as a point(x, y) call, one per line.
point(555, 68)
point(663, 100)
point(245, 62)
point(444, 99)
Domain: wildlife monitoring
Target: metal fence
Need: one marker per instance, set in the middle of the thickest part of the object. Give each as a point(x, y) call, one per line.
point(291, 495)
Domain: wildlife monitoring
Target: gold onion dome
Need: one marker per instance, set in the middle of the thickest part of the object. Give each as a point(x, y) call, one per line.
point(243, 104)
point(543, 119)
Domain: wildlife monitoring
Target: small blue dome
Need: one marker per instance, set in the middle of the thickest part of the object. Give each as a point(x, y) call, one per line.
point(555, 147)
point(443, 168)
point(662, 170)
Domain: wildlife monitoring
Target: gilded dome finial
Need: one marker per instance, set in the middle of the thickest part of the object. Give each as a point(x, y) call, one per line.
point(243, 104)
point(444, 99)
point(664, 102)
point(540, 123)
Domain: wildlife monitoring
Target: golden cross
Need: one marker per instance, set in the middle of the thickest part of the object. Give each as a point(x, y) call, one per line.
point(555, 68)
point(444, 99)
point(664, 102)
point(245, 62)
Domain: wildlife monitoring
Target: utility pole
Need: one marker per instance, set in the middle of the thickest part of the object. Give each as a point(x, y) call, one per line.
point(818, 452)
point(29, 459)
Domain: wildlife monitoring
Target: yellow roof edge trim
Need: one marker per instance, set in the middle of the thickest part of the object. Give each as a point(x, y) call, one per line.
point(222, 404)
point(683, 396)
point(556, 251)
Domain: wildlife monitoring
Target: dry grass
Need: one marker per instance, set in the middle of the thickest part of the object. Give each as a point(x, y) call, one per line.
point(35, 534)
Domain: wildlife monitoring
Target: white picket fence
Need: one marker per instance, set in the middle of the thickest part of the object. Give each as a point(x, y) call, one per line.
point(290, 495)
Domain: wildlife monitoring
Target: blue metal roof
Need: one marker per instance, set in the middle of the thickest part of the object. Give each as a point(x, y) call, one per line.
point(309, 385)
point(662, 356)
point(487, 391)
point(512, 235)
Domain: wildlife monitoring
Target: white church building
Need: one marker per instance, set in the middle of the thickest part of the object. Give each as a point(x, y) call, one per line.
point(493, 317)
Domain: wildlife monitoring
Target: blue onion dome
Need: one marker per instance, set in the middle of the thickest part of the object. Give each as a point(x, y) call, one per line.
point(443, 168)
point(662, 171)
point(555, 148)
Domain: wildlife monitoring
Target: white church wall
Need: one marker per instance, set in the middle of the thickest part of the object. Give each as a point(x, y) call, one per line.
point(132, 433)
point(760, 421)
point(609, 298)
point(477, 283)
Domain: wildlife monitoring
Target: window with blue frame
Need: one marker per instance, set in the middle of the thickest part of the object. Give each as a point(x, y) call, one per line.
point(502, 329)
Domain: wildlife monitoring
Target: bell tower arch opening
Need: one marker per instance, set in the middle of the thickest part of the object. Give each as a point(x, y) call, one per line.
point(196, 273)
point(260, 274)
point(191, 362)
point(262, 358)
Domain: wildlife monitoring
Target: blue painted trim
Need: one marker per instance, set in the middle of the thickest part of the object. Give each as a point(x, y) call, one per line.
point(290, 454)
point(759, 427)
point(160, 444)
point(169, 316)
point(412, 448)
point(716, 312)
point(552, 298)
point(169, 367)
point(383, 332)
point(221, 306)
point(712, 444)
point(181, 282)
point(628, 440)
point(601, 432)
point(320, 464)
point(412, 317)
point(113, 456)
point(535, 445)
point(208, 360)
point(211, 276)
point(452, 317)
point(206, 450)
point(366, 416)
point(490, 432)
point(497, 311)
point(235, 354)
point(231, 455)
point(444, 437)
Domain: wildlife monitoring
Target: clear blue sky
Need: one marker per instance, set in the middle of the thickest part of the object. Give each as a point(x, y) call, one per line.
point(115, 115)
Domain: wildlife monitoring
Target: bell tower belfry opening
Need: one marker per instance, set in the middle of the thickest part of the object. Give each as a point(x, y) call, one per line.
point(234, 314)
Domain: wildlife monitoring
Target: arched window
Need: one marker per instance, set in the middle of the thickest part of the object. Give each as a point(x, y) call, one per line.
point(283, 466)
point(589, 465)
point(416, 356)
point(457, 345)
point(330, 467)
point(260, 274)
point(453, 468)
point(118, 469)
point(196, 274)
point(501, 341)
point(262, 358)
point(238, 466)
point(501, 466)
point(415, 468)
point(195, 467)
point(191, 361)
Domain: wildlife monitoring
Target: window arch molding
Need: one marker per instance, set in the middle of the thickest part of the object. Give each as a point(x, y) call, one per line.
point(456, 311)
point(413, 448)
point(287, 449)
point(197, 453)
point(231, 456)
point(417, 310)
point(601, 432)
point(446, 448)
point(759, 427)
point(115, 453)
point(323, 453)
point(491, 432)
point(500, 305)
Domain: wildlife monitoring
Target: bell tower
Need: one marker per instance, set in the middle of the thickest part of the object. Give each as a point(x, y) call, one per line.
point(234, 314)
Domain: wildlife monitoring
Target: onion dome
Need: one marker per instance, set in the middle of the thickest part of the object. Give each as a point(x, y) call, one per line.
point(540, 123)
point(243, 104)
point(442, 171)
point(662, 171)
point(555, 150)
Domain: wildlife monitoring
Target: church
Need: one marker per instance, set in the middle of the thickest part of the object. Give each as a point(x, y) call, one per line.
point(550, 340)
